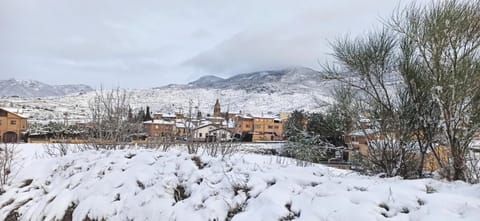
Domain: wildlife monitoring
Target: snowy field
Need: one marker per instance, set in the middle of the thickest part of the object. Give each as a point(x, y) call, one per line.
point(152, 185)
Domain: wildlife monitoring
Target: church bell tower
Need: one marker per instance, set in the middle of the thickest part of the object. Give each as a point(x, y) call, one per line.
point(216, 109)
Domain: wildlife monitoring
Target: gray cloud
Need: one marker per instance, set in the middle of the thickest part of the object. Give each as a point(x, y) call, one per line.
point(152, 43)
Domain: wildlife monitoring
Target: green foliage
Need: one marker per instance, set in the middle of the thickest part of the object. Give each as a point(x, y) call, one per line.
point(434, 50)
point(309, 147)
point(295, 124)
point(147, 115)
point(313, 136)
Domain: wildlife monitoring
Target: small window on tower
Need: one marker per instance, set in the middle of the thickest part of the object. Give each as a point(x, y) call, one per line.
point(13, 122)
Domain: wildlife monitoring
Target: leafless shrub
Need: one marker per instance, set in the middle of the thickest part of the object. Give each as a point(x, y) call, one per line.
point(239, 186)
point(198, 162)
point(159, 145)
point(473, 167)
point(110, 125)
point(221, 149)
point(7, 155)
point(180, 194)
point(56, 149)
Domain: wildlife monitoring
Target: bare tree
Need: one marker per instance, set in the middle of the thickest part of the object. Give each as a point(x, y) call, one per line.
point(7, 155)
point(110, 127)
point(192, 145)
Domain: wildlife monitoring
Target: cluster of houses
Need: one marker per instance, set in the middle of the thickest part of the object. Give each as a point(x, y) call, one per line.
point(360, 140)
point(223, 126)
point(219, 126)
point(171, 127)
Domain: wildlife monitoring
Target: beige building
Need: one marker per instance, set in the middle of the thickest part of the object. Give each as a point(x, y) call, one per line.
point(259, 128)
point(12, 125)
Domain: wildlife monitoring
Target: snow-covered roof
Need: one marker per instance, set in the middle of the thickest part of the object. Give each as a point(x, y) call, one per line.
point(224, 129)
point(205, 125)
point(475, 144)
point(229, 124)
point(265, 116)
point(158, 122)
point(259, 116)
point(215, 118)
point(183, 125)
point(362, 132)
point(245, 116)
point(15, 111)
point(166, 115)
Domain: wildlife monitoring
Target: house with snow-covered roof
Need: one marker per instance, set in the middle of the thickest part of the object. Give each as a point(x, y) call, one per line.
point(202, 132)
point(12, 125)
point(164, 116)
point(257, 128)
point(162, 130)
point(212, 133)
point(358, 139)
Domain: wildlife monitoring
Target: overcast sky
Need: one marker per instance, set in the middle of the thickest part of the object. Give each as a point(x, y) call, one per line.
point(140, 44)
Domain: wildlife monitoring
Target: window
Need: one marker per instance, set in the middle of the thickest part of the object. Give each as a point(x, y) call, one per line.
point(270, 127)
point(199, 134)
point(258, 126)
point(224, 136)
point(276, 127)
point(247, 125)
point(13, 122)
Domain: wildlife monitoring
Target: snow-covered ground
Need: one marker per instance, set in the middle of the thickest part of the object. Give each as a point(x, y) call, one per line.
point(140, 184)
point(74, 108)
point(255, 93)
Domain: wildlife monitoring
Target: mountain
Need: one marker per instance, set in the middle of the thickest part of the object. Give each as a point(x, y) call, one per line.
point(272, 81)
point(31, 88)
point(260, 92)
point(206, 81)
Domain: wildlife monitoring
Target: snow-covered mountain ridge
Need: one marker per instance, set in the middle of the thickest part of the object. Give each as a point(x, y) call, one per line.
point(272, 81)
point(259, 92)
point(32, 88)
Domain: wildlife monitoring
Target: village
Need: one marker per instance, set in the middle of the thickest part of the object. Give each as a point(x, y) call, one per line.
point(161, 127)
point(217, 126)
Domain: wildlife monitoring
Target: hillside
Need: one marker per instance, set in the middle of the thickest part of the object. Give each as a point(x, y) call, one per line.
point(258, 92)
point(140, 184)
point(276, 81)
point(34, 89)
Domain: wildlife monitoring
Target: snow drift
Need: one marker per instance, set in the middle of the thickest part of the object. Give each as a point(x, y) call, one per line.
point(151, 185)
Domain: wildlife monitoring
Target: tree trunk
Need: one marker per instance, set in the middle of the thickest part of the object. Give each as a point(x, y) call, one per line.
point(458, 165)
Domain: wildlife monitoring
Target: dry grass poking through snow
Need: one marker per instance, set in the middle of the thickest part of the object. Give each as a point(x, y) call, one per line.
point(149, 185)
